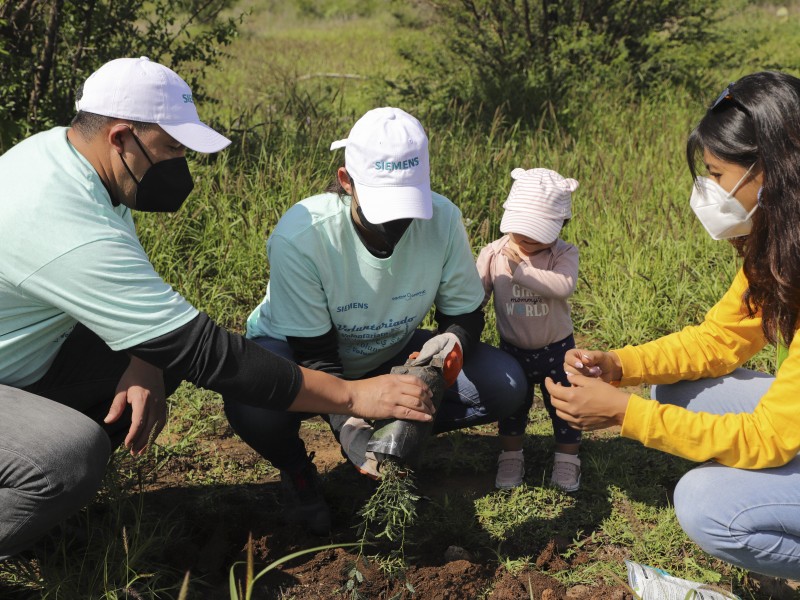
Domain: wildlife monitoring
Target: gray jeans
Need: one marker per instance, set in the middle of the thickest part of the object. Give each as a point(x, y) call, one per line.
point(52, 461)
point(54, 446)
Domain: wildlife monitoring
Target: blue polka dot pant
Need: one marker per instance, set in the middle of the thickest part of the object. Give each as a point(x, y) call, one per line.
point(538, 364)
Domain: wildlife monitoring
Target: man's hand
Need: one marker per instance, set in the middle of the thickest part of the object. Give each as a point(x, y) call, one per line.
point(391, 396)
point(588, 403)
point(445, 346)
point(141, 386)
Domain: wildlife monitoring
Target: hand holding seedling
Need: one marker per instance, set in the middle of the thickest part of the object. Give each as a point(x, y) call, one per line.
point(141, 386)
point(589, 403)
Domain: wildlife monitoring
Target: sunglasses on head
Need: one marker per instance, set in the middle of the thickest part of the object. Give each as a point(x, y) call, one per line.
point(727, 94)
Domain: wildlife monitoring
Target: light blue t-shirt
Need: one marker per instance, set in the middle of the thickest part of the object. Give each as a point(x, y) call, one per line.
point(322, 277)
point(67, 256)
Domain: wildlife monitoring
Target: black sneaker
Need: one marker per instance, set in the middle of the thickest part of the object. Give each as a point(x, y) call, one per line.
point(303, 501)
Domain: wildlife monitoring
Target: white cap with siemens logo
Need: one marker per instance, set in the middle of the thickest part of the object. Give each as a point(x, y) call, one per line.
point(142, 90)
point(386, 154)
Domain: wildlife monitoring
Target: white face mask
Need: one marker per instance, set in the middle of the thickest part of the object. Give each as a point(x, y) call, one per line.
point(721, 214)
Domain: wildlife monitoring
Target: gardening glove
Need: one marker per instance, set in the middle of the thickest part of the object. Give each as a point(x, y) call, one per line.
point(443, 351)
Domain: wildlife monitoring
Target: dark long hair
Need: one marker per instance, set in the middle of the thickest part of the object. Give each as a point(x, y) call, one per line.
point(759, 122)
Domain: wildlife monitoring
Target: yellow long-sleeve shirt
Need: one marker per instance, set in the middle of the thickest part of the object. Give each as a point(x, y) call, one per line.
point(767, 437)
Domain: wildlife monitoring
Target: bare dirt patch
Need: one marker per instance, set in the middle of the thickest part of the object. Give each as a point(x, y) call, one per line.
point(224, 516)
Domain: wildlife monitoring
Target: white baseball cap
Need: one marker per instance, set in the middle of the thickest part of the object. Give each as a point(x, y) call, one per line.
point(387, 157)
point(538, 203)
point(142, 90)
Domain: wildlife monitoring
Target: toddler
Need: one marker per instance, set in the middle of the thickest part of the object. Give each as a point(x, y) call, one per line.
point(532, 273)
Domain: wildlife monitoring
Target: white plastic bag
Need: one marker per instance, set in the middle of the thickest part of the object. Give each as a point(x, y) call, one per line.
point(650, 583)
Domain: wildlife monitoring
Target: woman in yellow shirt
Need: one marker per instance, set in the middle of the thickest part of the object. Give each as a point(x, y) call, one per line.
point(744, 505)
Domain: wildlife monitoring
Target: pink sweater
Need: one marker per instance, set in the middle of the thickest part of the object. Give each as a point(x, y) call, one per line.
point(531, 303)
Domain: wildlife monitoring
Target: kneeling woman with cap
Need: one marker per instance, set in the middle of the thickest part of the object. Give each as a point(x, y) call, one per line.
point(353, 273)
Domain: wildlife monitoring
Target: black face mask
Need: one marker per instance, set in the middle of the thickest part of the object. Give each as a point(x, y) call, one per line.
point(164, 187)
point(389, 233)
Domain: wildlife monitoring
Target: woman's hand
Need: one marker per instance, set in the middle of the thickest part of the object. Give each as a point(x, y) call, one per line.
point(593, 363)
point(392, 396)
point(141, 386)
point(588, 403)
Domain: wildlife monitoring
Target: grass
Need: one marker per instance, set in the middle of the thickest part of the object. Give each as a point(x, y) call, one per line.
point(647, 268)
point(106, 551)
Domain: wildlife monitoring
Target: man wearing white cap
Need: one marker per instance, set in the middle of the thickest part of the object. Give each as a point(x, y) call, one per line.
point(92, 340)
point(354, 273)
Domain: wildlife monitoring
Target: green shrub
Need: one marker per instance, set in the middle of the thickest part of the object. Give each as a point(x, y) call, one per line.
point(529, 58)
point(49, 48)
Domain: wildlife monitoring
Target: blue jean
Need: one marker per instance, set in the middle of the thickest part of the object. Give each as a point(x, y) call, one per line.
point(547, 361)
point(490, 387)
point(750, 518)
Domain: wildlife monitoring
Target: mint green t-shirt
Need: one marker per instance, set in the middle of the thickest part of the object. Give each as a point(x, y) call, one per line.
point(322, 277)
point(67, 256)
